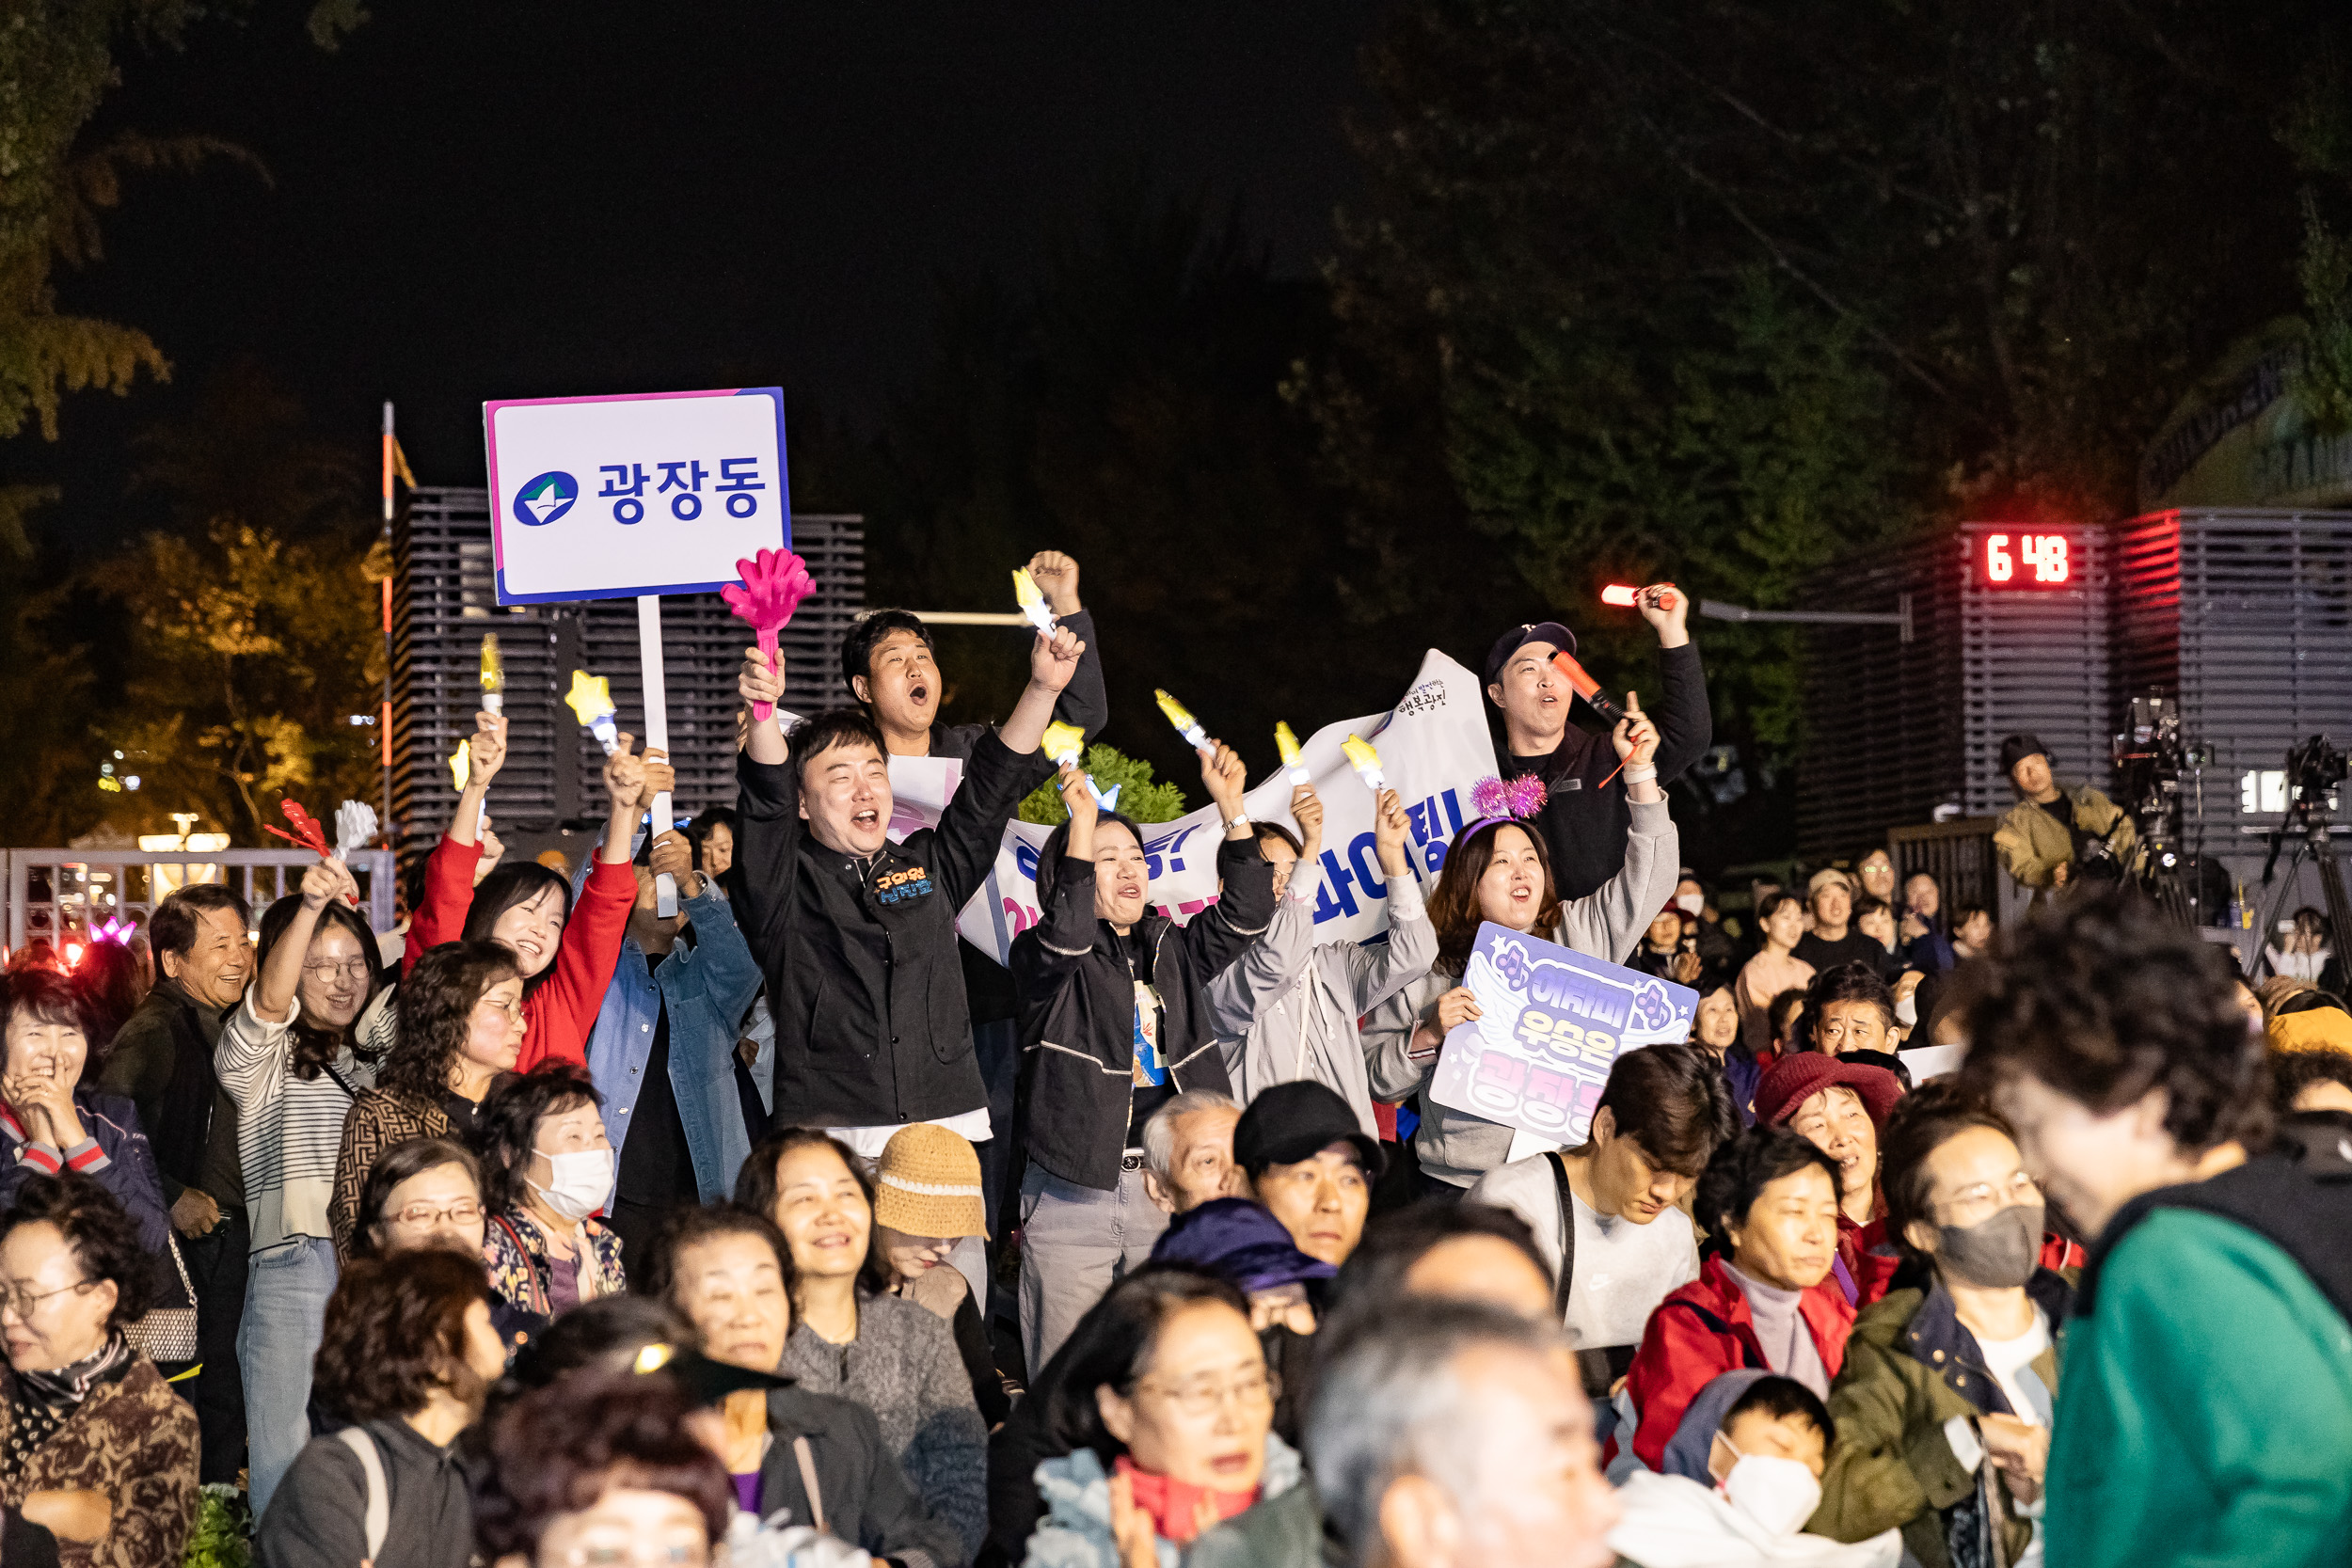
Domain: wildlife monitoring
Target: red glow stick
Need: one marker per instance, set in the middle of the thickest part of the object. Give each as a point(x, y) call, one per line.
point(1619, 595)
point(1586, 688)
point(772, 588)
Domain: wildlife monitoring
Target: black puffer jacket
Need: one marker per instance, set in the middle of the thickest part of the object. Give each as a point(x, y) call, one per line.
point(1076, 976)
point(872, 1025)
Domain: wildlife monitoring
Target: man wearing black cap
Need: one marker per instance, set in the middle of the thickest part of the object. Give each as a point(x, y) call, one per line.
point(1310, 1164)
point(1587, 820)
point(2050, 830)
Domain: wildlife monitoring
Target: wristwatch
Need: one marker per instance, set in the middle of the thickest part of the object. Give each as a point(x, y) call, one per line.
point(1234, 824)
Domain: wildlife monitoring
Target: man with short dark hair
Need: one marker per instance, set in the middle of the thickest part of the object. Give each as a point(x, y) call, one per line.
point(1833, 941)
point(162, 1059)
point(1310, 1165)
point(2207, 1407)
point(890, 664)
point(1662, 1115)
point(1587, 818)
point(2053, 828)
point(857, 934)
point(1454, 1437)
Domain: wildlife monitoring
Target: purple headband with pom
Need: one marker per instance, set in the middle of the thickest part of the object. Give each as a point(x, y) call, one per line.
point(1498, 801)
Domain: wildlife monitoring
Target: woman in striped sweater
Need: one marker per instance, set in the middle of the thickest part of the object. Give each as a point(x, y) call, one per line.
point(293, 1056)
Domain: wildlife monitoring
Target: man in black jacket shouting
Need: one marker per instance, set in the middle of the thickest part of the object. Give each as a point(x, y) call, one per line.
point(857, 935)
point(1115, 1022)
point(1587, 820)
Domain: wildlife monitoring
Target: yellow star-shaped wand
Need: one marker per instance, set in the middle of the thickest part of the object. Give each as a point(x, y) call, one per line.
point(460, 767)
point(591, 696)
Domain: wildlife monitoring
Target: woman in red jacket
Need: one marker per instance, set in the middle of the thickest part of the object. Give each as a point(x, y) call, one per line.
point(565, 954)
point(1764, 1297)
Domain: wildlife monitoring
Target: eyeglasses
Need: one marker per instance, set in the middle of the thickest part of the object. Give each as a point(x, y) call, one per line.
point(513, 1010)
point(356, 968)
point(21, 1301)
point(680, 1554)
point(464, 1211)
point(1973, 1203)
point(1201, 1394)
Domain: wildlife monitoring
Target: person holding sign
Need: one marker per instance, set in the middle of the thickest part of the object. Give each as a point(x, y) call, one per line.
point(1114, 1022)
point(564, 954)
point(1500, 869)
point(857, 934)
point(1287, 1008)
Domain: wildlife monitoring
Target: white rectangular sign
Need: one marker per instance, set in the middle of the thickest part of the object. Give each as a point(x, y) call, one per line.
point(609, 498)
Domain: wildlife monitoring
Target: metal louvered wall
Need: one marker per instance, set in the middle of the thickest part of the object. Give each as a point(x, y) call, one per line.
point(2244, 616)
point(1895, 730)
point(444, 600)
point(2247, 617)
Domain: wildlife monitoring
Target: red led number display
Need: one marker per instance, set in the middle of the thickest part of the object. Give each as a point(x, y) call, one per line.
point(2027, 560)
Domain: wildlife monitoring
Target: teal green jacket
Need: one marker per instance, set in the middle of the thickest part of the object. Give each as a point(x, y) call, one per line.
point(2208, 1411)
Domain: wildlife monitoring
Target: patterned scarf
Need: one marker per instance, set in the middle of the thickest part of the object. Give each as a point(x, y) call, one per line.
point(51, 1397)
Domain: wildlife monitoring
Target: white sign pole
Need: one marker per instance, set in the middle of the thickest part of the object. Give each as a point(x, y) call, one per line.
point(656, 733)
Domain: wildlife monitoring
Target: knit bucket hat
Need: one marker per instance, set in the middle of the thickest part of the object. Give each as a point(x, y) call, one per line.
point(1788, 1082)
point(929, 1185)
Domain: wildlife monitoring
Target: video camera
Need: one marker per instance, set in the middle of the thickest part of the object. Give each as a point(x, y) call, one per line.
point(2314, 769)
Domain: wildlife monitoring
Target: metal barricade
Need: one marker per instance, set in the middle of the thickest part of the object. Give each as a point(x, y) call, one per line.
point(64, 895)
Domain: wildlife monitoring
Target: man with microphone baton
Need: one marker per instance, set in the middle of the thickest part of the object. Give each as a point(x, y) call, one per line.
point(1533, 677)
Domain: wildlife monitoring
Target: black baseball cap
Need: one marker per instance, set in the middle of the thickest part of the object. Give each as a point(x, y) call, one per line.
point(1297, 1122)
point(706, 1381)
point(2016, 748)
point(1516, 638)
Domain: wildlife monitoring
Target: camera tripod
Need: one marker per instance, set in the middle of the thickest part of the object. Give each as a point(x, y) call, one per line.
point(2309, 824)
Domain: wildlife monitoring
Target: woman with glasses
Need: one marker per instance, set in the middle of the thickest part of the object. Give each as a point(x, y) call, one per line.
point(728, 1271)
point(409, 1356)
point(293, 1056)
point(1945, 1406)
point(94, 1446)
point(1164, 1401)
point(427, 1193)
point(461, 1024)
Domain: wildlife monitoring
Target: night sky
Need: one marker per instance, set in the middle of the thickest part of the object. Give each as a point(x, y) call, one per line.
point(477, 201)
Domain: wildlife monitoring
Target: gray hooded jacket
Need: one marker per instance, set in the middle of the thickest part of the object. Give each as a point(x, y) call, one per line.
point(1287, 1008)
point(1454, 1146)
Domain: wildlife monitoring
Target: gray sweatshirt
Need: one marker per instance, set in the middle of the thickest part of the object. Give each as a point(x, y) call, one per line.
point(1454, 1146)
point(903, 1366)
point(1287, 1008)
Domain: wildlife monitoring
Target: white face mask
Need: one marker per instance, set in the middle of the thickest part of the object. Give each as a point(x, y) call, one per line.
point(1780, 1494)
point(1906, 1010)
point(579, 1182)
point(1690, 903)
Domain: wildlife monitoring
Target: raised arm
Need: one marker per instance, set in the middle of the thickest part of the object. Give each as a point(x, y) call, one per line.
point(1053, 660)
point(1216, 936)
point(1084, 702)
point(486, 753)
point(1268, 965)
point(584, 959)
point(767, 806)
point(1607, 921)
point(1686, 726)
point(1378, 973)
point(274, 992)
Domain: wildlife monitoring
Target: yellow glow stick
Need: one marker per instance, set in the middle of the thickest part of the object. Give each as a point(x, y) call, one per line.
point(1181, 716)
point(1366, 761)
point(1032, 602)
point(1292, 759)
point(493, 676)
point(1063, 742)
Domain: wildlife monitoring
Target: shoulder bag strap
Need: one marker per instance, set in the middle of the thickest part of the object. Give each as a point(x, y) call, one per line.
point(808, 1482)
point(1567, 1234)
point(340, 1082)
point(379, 1515)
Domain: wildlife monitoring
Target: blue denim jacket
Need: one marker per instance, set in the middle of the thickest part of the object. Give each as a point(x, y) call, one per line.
point(706, 987)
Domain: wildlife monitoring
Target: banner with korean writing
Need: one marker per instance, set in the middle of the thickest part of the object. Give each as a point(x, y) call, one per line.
point(603, 498)
point(1550, 1023)
point(1433, 746)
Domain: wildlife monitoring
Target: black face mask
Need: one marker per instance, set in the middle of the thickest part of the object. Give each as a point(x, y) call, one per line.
point(1999, 1252)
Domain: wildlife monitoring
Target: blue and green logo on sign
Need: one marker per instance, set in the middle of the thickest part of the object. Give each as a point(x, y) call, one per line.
point(543, 499)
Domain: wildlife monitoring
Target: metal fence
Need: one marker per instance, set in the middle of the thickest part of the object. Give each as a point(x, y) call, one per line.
point(63, 895)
